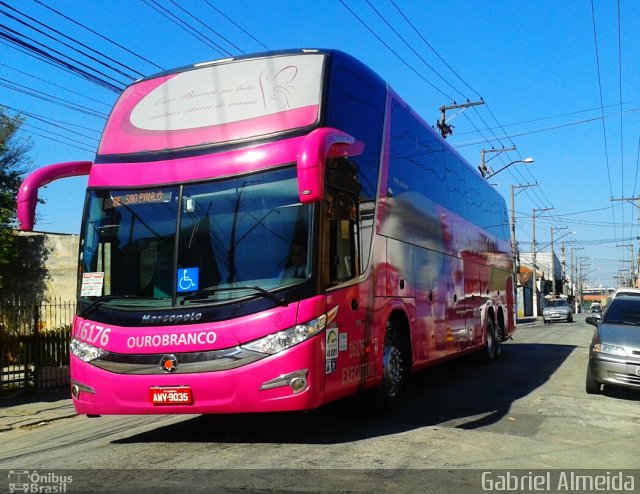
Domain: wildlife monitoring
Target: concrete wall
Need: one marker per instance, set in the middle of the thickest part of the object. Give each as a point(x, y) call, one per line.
point(62, 265)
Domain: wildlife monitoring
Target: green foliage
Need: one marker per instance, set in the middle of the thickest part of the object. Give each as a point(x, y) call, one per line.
point(14, 163)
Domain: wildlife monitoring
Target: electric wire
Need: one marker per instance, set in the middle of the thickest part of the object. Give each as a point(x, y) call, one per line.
point(413, 50)
point(359, 19)
point(59, 33)
point(186, 27)
point(236, 24)
point(33, 49)
point(99, 35)
point(50, 98)
point(206, 26)
point(57, 86)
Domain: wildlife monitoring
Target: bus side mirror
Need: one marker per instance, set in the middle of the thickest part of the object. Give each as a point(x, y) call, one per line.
point(319, 145)
point(28, 193)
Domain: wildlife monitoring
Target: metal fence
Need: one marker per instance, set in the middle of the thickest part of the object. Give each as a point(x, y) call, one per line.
point(34, 345)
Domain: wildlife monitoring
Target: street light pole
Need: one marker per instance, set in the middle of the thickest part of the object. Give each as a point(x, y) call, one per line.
point(493, 174)
point(483, 164)
point(514, 245)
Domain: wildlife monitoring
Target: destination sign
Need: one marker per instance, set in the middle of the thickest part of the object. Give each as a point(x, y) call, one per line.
point(133, 198)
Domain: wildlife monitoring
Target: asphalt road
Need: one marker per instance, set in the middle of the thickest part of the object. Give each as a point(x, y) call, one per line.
point(526, 412)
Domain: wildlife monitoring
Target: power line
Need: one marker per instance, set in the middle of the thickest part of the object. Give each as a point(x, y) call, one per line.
point(57, 86)
point(34, 50)
point(99, 35)
point(50, 98)
point(186, 27)
point(394, 52)
point(433, 49)
point(91, 57)
point(395, 31)
point(206, 26)
point(235, 24)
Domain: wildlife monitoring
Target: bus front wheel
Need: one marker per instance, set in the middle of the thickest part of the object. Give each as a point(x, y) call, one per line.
point(394, 369)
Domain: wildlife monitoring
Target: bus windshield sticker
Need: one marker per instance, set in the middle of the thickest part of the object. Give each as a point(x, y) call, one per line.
point(187, 280)
point(92, 284)
point(142, 197)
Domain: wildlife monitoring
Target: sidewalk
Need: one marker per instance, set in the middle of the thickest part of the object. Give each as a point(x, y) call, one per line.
point(25, 410)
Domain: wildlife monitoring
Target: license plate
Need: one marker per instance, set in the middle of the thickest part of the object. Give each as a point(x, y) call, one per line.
point(170, 395)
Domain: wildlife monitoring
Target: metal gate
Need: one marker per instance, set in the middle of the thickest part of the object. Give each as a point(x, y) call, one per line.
point(34, 345)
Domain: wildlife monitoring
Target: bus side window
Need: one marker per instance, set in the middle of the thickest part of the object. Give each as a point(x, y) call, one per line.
point(343, 236)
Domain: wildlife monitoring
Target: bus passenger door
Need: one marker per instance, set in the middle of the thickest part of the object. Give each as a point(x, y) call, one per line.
point(349, 359)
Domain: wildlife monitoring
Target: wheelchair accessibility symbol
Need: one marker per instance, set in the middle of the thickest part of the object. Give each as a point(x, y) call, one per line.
point(187, 279)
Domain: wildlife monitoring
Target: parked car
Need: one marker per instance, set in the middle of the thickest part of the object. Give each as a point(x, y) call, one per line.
point(626, 290)
point(596, 308)
point(614, 353)
point(557, 310)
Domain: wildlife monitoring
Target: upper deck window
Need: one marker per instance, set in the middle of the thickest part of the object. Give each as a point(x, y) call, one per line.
point(216, 103)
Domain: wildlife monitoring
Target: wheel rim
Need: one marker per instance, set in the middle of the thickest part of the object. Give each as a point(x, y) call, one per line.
point(393, 368)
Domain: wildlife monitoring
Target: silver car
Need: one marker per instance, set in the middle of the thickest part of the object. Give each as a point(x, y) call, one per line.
point(557, 310)
point(614, 354)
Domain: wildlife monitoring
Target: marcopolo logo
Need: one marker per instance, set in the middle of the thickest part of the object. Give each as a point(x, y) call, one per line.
point(38, 482)
point(171, 318)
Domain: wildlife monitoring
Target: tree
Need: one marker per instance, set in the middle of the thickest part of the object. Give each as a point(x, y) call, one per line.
point(14, 163)
point(21, 258)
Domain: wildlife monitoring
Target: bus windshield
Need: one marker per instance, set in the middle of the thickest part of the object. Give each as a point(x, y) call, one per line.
point(194, 243)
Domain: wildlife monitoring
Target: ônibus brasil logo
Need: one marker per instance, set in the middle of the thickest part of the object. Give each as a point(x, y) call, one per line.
point(33, 481)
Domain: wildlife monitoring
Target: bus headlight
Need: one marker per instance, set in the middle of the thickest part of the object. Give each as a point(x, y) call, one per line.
point(84, 351)
point(287, 338)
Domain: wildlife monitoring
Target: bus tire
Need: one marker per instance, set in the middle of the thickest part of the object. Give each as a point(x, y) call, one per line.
point(490, 348)
point(591, 386)
point(499, 334)
point(394, 370)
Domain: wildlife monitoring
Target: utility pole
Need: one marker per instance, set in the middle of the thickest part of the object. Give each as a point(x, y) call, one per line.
point(553, 260)
point(443, 126)
point(574, 286)
point(631, 281)
point(533, 255)
point(514, 244)
point(563, 262)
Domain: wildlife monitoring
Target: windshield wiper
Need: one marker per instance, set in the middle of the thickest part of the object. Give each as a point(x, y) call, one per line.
point(106, 298)
point(207, 292)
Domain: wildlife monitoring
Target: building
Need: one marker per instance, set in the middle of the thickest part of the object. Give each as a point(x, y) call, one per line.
point(548, 270)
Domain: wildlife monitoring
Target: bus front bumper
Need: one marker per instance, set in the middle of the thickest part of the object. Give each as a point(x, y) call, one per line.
point(290, 380)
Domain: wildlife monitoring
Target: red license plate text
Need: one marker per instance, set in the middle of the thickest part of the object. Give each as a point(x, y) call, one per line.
point(170, 395)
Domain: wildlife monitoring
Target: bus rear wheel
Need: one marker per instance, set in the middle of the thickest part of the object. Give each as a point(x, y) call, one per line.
point(491, 350)
point(394, 369)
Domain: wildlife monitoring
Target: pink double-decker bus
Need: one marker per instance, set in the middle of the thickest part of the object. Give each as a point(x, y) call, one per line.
point(274, 232)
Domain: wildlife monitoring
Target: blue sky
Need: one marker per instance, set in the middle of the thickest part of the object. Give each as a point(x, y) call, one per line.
point(547, 85)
